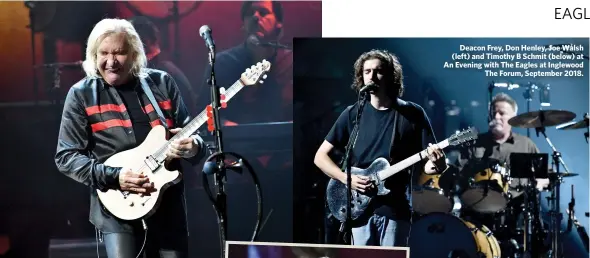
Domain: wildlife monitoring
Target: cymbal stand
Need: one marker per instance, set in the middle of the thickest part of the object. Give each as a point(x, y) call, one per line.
point(586, 118)
point(528, 96)
point(555, 214)
point(529, 248)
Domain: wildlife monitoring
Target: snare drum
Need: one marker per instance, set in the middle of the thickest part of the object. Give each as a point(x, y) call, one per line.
point(432, 194)
point(487, 189)
point(444, 235)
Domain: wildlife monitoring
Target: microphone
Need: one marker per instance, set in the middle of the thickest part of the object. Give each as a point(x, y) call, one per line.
point(205, 33)
point(371, 86)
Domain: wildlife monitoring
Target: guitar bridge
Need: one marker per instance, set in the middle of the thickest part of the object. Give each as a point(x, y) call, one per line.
point(151, 163)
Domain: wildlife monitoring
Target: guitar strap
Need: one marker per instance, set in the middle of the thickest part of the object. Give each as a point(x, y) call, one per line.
point(148, 92)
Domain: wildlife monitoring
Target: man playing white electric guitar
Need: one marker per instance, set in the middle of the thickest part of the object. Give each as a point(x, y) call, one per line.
point(118, 110)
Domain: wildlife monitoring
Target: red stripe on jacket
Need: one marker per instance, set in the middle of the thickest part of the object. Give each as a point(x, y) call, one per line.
point(157, 122)
point(105, 108)
point(110, 123)
point(166, 105)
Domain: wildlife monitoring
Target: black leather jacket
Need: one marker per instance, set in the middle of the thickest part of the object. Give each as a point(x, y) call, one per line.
point(95, 125)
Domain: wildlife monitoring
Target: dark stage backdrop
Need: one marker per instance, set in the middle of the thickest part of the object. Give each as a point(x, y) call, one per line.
point(453, 99)
point(35, 198)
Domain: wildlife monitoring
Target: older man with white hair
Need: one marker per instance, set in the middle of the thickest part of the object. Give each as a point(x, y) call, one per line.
point(110, 111)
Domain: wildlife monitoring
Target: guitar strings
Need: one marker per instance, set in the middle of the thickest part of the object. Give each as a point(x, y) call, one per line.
point(237, 86)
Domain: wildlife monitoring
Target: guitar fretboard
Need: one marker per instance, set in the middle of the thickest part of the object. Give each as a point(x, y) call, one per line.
point(397, 167)
point(197, 122)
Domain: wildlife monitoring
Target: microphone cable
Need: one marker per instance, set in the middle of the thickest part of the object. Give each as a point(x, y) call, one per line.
point(218, 211)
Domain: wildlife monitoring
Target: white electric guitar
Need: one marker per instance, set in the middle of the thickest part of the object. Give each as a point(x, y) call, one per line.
point(148, 158)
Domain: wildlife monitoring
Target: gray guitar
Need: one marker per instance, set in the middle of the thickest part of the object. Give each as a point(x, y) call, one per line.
point(377, 172)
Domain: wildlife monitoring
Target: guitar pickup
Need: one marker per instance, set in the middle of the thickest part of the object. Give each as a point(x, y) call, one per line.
point(151, 163)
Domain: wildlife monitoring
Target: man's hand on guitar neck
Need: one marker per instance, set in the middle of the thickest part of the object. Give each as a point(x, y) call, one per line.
point(436, 160)
point(182, 148)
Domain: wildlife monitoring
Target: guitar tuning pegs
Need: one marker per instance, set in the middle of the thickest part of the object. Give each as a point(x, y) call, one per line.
point(264, 76)
point(261, 82)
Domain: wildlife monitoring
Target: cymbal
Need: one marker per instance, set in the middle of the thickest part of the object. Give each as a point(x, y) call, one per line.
point(563, 174)
point(542, 118)
point(582, 124)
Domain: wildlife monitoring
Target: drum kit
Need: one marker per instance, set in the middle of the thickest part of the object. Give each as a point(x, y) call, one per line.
point(491, 209)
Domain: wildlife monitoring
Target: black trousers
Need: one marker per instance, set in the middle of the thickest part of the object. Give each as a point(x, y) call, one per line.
point(160, 243)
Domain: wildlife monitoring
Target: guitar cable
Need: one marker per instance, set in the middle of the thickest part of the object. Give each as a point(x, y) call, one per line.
point(98, 236)
point(98, 239)
point(145, 229)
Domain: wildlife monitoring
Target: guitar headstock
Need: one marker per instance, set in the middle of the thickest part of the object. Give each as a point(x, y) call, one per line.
point(255, 74)
point(463, 136)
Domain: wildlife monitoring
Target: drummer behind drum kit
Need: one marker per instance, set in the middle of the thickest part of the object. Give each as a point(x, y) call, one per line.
point(483, 187)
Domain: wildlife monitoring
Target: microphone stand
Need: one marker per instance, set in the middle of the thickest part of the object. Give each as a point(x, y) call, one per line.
point(346, 167)
point(220, 176)
point(218, 167)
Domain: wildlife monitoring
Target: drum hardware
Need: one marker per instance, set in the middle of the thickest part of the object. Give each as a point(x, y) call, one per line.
point(57, 71)
point(530, 166)
point(570, 211)
point(555, 214)
point(76, 64)
point(487, 189)
point(458, 238)
point(579, 228)
point(435, 188)
point(529, 90)
point(528, 96)
point(541, 118)
point(583, 124)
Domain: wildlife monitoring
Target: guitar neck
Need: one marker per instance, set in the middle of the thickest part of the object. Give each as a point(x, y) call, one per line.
point(397, 167)
point(198, 121)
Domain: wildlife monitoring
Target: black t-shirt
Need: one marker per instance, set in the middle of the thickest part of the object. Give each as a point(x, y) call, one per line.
point(375, 141)
point(139, 119)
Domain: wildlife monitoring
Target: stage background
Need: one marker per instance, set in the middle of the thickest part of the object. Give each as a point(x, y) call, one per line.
point(38, 203)
point(453, 99)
